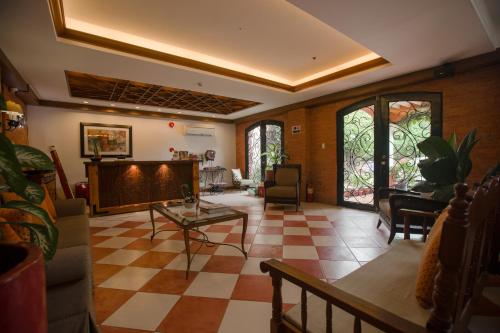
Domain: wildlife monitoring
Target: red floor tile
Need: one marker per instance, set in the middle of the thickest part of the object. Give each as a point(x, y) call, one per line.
point(108, 301)
point(224, 264)
point(98, 239)
point(312, 267)
point(153, 259)
point(179, 235)
point(273, 217)
point(236, 238)
point(270, 230)
point(297, 240)
point(219, 228)
point(301, 224)
point(250, 223)
point(334, 253)
point(111, 329)
point(143, 244)
point(204, 249)
point(266, 251)
point(100, 252)
point(169, 282)
point(135, 233)
point(292, 212)
point(94, 230)
point(130, 224)
point(194, 314)
point(102, 272)
point(257, 288)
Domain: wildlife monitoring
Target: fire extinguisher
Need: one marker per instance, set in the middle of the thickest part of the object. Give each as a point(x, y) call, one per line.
point(309, 193)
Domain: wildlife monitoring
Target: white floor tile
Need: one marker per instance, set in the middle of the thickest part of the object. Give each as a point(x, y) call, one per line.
point(216, 285)
point(104, 223)
point(268, 239)
point(251, 229)
point(232, 222)
point(130, 278)
point(294, 217)
point(338, 269)
point(290, 292)
point(300, 252)
point(180, 262)
point(121, 257)
point(147, 225)
point(296, 231)
point(271, 223)
point(116, 242)
point(143, 311)
point(252, 266)
point(111, 232)
point(176, 246)
point(327, 241)
point(217, 237)
point(246, 317)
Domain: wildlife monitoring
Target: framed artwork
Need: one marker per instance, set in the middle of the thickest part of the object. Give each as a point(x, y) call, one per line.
point(112, 140)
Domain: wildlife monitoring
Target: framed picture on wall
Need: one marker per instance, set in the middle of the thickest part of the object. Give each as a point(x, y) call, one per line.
point(111, 140)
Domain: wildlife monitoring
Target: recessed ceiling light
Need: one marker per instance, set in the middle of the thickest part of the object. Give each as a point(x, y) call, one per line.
point(159, 109)
point(85, 102)
point(137, 107)
point(179, 112)
point(112, 105)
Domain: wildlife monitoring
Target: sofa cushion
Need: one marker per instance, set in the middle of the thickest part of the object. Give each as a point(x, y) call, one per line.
point(387, 282)
point(281, 192)
point(73, 231)
point(68, 264)
point(286, 176)
point(236, 173)
point(428, 267)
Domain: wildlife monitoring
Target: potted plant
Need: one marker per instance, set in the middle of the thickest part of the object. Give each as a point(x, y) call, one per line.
point(446, 164)
point(13, 159)
point(96, 149)
point(274, 155)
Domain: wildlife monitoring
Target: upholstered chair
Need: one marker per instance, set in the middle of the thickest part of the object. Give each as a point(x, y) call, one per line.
point(240, 182)
point(285, 188)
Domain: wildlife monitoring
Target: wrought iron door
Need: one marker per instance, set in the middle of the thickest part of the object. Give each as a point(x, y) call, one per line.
point(258, 139)
point(378, 144)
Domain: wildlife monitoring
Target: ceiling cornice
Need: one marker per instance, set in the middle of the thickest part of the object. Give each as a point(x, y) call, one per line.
point(57, 13)
point(460, 66)
point(129, 112)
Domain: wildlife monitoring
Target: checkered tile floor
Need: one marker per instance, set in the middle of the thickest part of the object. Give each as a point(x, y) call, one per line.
point(140, 285)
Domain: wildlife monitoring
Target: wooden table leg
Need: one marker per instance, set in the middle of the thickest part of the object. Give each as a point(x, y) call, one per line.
point(406, 228)
point(188, 251)
point(243, 233)
point(151, 215)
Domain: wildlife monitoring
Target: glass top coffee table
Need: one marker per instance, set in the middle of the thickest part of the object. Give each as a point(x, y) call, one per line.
point(191, 219)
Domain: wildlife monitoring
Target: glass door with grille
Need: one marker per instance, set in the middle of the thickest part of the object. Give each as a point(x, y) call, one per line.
point(378, 140)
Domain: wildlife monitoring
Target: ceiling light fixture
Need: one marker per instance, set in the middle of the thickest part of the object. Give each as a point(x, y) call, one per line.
point(137, 107)
point(112, 105)
point(85, 102)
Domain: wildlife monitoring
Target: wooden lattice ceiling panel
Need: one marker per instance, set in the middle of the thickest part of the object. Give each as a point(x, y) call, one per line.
point(124, 91)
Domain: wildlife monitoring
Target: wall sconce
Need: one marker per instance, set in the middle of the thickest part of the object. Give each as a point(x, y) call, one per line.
point(14, 120)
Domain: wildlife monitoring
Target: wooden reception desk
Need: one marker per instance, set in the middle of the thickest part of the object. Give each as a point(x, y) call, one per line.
point(127, 186)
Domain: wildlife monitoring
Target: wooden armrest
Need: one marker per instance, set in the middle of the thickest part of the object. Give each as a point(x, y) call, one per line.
point(359, 308)
point(419, 213)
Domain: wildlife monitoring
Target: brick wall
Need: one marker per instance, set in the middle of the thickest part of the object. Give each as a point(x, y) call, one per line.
point(470, 100)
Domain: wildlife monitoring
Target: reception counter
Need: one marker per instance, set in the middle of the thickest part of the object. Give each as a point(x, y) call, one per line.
point(127, 186)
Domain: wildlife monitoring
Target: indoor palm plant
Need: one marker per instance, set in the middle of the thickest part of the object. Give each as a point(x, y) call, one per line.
point(446, 164)
point(274, 155)
point(13, 159)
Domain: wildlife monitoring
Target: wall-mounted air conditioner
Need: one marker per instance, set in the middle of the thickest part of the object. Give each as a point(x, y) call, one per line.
point(199, 131)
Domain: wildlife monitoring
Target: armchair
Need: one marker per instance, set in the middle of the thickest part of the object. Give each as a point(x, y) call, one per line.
point(240, 182)
point(391, 201)
point(285, 188)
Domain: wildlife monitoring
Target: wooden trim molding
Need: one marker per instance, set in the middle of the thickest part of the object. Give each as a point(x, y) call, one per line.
point(129, 112)
point(384, 86)
point(57, 11)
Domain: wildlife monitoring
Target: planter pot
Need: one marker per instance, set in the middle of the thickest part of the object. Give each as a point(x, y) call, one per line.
point(22, 289)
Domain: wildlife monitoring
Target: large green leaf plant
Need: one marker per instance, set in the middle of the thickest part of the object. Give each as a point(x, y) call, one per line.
point(274, 155)
point(447, 163)
point(13, 159)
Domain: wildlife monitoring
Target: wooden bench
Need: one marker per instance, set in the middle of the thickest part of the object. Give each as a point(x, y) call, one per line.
point(380, 296)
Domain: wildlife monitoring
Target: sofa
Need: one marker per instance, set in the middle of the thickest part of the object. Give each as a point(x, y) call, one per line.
point(69, 273)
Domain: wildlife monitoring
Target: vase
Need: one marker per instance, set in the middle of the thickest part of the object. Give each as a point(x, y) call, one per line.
point(22, 289)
